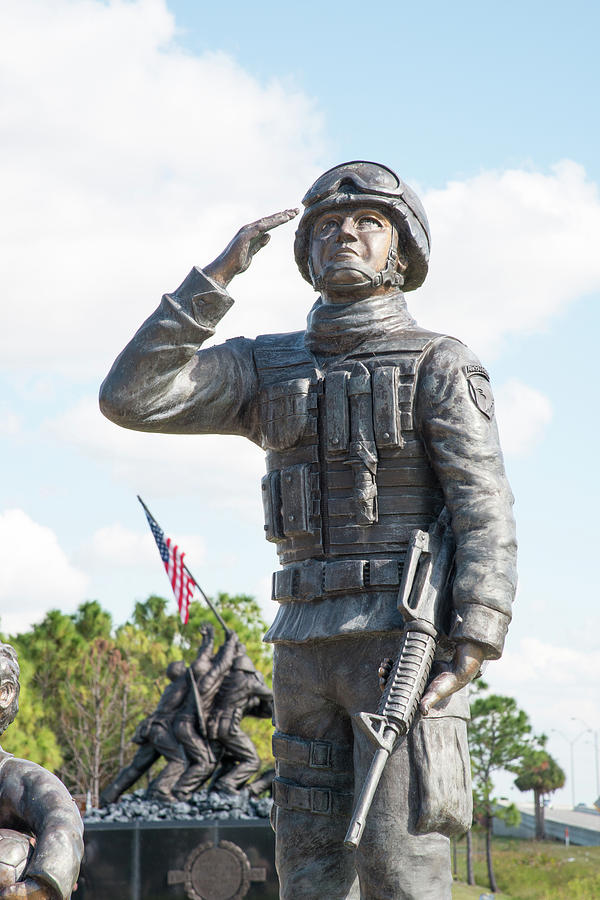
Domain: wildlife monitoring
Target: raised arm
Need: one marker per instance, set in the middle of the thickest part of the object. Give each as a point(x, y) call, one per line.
point(209, 685)
point(162, 380)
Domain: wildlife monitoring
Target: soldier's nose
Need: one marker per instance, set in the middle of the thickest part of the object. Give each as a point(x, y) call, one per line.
point(347, 231)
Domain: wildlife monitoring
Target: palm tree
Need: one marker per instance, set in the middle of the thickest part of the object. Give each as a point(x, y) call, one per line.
point(540, 773)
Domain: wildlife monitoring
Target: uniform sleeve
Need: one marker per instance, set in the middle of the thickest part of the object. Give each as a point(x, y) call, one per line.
point(163, 381)
point(32, 798)
point(455, 415)
point(222, 662)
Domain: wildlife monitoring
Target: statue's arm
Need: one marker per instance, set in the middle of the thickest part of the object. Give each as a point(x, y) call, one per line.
point(260, 700)
point(222, 661)
point(456, 419)
point(262, 690)
point(163, 380)
point(34, 800)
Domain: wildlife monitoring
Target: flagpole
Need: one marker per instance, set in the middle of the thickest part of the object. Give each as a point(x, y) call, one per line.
point(207, 601)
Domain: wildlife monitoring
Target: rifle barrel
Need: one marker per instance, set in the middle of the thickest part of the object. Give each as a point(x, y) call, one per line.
point(361, 811)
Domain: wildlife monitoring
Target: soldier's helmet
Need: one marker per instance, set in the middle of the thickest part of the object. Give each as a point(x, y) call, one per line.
point(243, 663)
point(369, 184)
point(176, 670)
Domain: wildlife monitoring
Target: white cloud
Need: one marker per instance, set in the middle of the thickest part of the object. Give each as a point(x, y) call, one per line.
point(539, 662)
point(523, 413)
point(557, 686)
point(35, 572)
point(510, 251)
point(10, 421)
point(553, 681)
point(114, 546)
point(124, 161)
point(224, 472)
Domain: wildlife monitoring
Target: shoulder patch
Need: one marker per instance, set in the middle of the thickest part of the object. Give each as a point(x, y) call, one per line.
point(480, 389)
point(477, 370)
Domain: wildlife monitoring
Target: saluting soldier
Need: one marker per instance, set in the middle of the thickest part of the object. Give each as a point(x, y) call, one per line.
point(371, 425)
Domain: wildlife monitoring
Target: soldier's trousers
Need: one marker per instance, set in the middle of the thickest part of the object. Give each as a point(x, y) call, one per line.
point(322, 758)
point(199, 753)
point(240, 752)
point(163, 741)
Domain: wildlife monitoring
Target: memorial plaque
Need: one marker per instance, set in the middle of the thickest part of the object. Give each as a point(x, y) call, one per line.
point(211, 860)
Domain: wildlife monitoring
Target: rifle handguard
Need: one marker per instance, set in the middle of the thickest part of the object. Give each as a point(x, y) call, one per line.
point(407, 680)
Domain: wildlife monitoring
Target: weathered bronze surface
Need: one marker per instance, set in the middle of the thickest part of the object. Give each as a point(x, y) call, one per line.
point(35, 802)
point(196, 726)
point(371, 425)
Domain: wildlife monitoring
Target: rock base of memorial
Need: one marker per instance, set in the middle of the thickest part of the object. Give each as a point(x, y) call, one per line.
point(215, 847)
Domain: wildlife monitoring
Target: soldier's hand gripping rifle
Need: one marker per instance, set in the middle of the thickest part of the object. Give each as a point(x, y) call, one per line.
point(421, 600)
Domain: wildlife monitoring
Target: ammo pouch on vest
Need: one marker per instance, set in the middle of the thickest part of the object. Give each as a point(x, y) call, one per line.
point(440, 758)
point(284, 412)
point(286, 495)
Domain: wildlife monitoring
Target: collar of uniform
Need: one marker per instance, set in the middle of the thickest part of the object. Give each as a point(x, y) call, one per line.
point(338, 328)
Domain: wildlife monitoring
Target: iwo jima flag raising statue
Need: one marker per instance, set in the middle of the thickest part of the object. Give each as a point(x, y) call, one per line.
point(374, 429)
point(196, 724)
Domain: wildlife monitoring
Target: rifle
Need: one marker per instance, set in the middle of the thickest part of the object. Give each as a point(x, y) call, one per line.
point(421, 599)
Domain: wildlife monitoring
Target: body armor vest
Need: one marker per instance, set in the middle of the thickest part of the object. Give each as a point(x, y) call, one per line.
point(347, 474)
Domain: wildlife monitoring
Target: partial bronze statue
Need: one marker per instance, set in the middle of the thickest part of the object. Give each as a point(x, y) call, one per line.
point(34, 802)
point(196, 726)
point(242, 693)
point(376, 431)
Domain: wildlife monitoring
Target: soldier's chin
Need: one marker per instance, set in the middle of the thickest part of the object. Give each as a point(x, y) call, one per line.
point(348, 277)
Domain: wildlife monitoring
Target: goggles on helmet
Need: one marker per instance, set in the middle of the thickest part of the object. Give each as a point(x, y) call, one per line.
point(362, 177)
point(371, 178)
point(361, 181)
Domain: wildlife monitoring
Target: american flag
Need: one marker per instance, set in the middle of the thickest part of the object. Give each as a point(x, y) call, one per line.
point(181, 581)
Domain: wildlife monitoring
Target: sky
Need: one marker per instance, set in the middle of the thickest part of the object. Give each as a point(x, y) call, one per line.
point(137, 137)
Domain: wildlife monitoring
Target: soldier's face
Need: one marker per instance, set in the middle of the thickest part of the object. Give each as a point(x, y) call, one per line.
point(349, 244)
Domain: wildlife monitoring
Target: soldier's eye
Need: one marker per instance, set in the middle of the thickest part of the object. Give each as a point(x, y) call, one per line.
point(327, 228)
point(369, 222)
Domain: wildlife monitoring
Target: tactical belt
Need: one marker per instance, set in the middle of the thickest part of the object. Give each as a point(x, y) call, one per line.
point(313, 754)
point(314, 579)
point(322, 801)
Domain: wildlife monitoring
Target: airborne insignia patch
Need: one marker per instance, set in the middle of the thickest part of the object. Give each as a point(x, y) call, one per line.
point(480, 389)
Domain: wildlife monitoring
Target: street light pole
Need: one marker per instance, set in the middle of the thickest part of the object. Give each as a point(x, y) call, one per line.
point(595, 733)
point(571, 743)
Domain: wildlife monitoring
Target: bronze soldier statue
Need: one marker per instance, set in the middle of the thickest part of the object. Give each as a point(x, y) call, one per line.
point(371, 426)
point(242, 693)
point(159, 735)
point(190, 725)
point(34, 801)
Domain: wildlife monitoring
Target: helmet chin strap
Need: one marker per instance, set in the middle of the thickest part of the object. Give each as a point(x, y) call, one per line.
point(389, 275)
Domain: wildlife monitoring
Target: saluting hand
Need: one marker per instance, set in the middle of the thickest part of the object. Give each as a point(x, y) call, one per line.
point(237, 255)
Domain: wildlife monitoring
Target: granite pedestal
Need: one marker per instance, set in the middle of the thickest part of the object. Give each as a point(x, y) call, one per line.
point(209, 860)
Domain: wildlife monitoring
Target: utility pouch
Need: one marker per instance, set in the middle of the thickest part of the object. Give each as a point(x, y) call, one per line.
point(271, 497)
point(284, 412)
point(386, 409)
point(337, 413)
point(440, 754)
point(295, 499)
